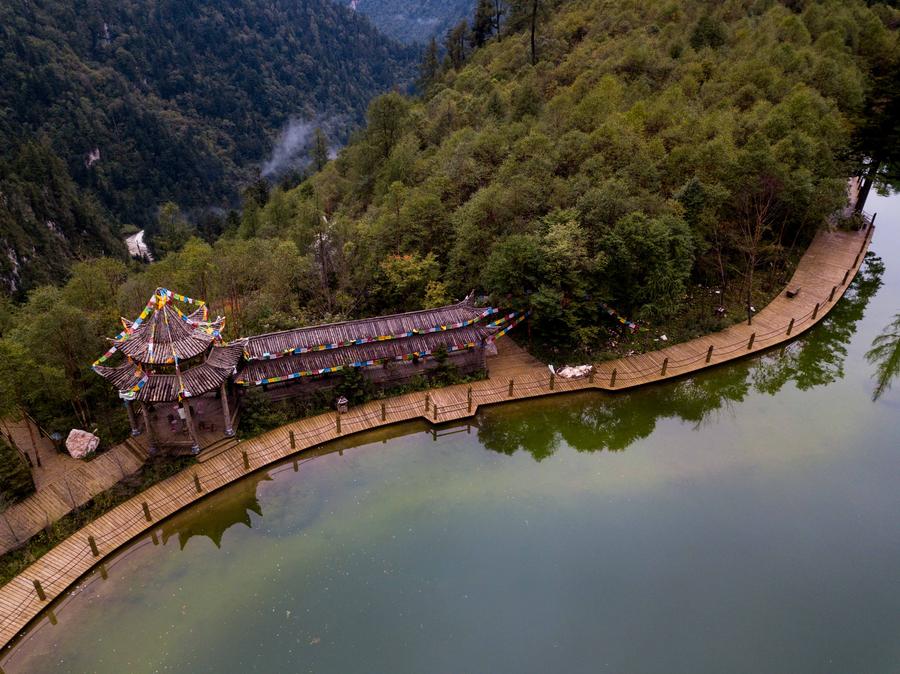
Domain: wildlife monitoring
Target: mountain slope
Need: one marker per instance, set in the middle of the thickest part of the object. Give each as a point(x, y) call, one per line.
point(150, 101)
point(411, 22)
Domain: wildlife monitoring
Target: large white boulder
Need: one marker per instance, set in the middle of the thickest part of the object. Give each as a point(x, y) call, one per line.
point(81, 444)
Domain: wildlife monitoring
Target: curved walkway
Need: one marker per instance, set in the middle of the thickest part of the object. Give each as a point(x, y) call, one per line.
point(823, 275)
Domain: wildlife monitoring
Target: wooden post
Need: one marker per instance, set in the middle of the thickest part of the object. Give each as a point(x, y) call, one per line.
point(91, 542)
point(709, 353)
point(151, 432)
point(552, 380)
point(815, 311)
point(246, 460)
point(665, 366)
point(750, 343)
point(146, 512)
point(383, 412)
point(132, 419)
point(469, 399)
point(510, 394)
point(833, 291)
point(790, 326)
point(337, 423)
point(846, 276)
point(856, 260)
point(292, 439)
point(39, 590)
point(872, 221)
point(197, 483)
point(434, 408)
point(591, 376)
point(427, 400)
point(612, 379)
point(229, 431)
point(189, 418)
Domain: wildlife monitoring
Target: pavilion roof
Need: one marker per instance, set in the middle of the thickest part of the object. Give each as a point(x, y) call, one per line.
point(136, 383)
point(163, 334)
point(275, 345)
point(293, 366)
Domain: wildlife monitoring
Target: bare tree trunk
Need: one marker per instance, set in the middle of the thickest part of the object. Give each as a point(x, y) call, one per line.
point(534, 11)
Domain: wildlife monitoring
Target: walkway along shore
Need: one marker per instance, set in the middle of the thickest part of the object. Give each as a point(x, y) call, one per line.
point(822, 277)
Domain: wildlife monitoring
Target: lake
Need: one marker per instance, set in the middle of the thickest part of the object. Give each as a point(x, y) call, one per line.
point(743, 520)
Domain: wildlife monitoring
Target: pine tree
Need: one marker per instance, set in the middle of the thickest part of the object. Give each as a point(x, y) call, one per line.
point(428, 69)
point(319, 150)
point(483, 23)
point(455, 45)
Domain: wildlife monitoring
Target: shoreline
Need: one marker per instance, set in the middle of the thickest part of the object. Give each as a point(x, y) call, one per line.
point(823, 275)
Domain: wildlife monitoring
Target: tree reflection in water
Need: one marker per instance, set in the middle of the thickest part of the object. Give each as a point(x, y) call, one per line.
point(885, 356)
point(614, 421)
point(217, 513)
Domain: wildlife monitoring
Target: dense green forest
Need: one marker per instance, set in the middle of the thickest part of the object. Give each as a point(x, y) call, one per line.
point(117, 107)
point(414, 21)
point(662, 158)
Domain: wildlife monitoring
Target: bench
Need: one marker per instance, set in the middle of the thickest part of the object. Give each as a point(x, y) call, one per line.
point(793, 292)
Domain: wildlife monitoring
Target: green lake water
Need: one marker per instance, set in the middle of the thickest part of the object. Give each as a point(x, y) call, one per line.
point(743, 520)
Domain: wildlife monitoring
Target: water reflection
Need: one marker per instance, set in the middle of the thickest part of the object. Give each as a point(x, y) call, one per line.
point(885, 356)
point(613, 422)
point(217, 513)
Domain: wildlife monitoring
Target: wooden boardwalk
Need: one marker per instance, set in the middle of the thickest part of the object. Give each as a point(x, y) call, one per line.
point(61, 482)
point(822, 275)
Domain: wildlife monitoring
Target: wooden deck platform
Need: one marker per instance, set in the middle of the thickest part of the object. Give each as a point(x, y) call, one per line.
point(823, 274)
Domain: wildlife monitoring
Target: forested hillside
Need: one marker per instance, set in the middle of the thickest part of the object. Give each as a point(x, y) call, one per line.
point(153, 101)
point(663, 159)
point(410, 21)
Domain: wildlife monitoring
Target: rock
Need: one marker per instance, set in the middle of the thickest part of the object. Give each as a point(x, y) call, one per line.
point(81, 444)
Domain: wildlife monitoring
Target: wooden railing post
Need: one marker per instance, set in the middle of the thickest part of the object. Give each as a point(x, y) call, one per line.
point(846, 276)
point(197, 483)
point(510, 388)
point(337, 423)
point(435, 410)
point(665, 366)
point(552, 380)
point(750, 343)
point(790, 326)
point(147, 512)
point(383, 412)
point(833, 291)
point(292, 439)
point(246, 460)
point(815, 311)
point(427, 401)
point(709, 353)
point(469, 399)
point(591, 376)
point(39, 590)
point(93, 545)
point(612, 379)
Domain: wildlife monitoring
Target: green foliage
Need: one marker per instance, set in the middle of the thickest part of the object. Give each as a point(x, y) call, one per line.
point(259, 414)
point(15, 476)
point(133, 106)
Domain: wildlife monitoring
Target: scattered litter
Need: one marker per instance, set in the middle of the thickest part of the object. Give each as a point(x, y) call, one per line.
point(574, 371)
point(664, 338)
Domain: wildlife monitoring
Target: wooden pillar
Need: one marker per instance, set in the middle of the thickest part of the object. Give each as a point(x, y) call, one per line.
point(39, 590)
point(229, 431)
point(709, 353)
point(833, 291)
point(750, 343)
point(665, 366)
point(132, 419)
point(189, 418)
point(469, 399)
point(846, 276)
point(511, 384)
point(790, 326)
point(146, 409)
point(815, 311)
point(612, 379)
point(292, 440)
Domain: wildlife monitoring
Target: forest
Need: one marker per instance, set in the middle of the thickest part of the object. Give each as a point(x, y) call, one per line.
point(662, 159)
point(112, 108)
